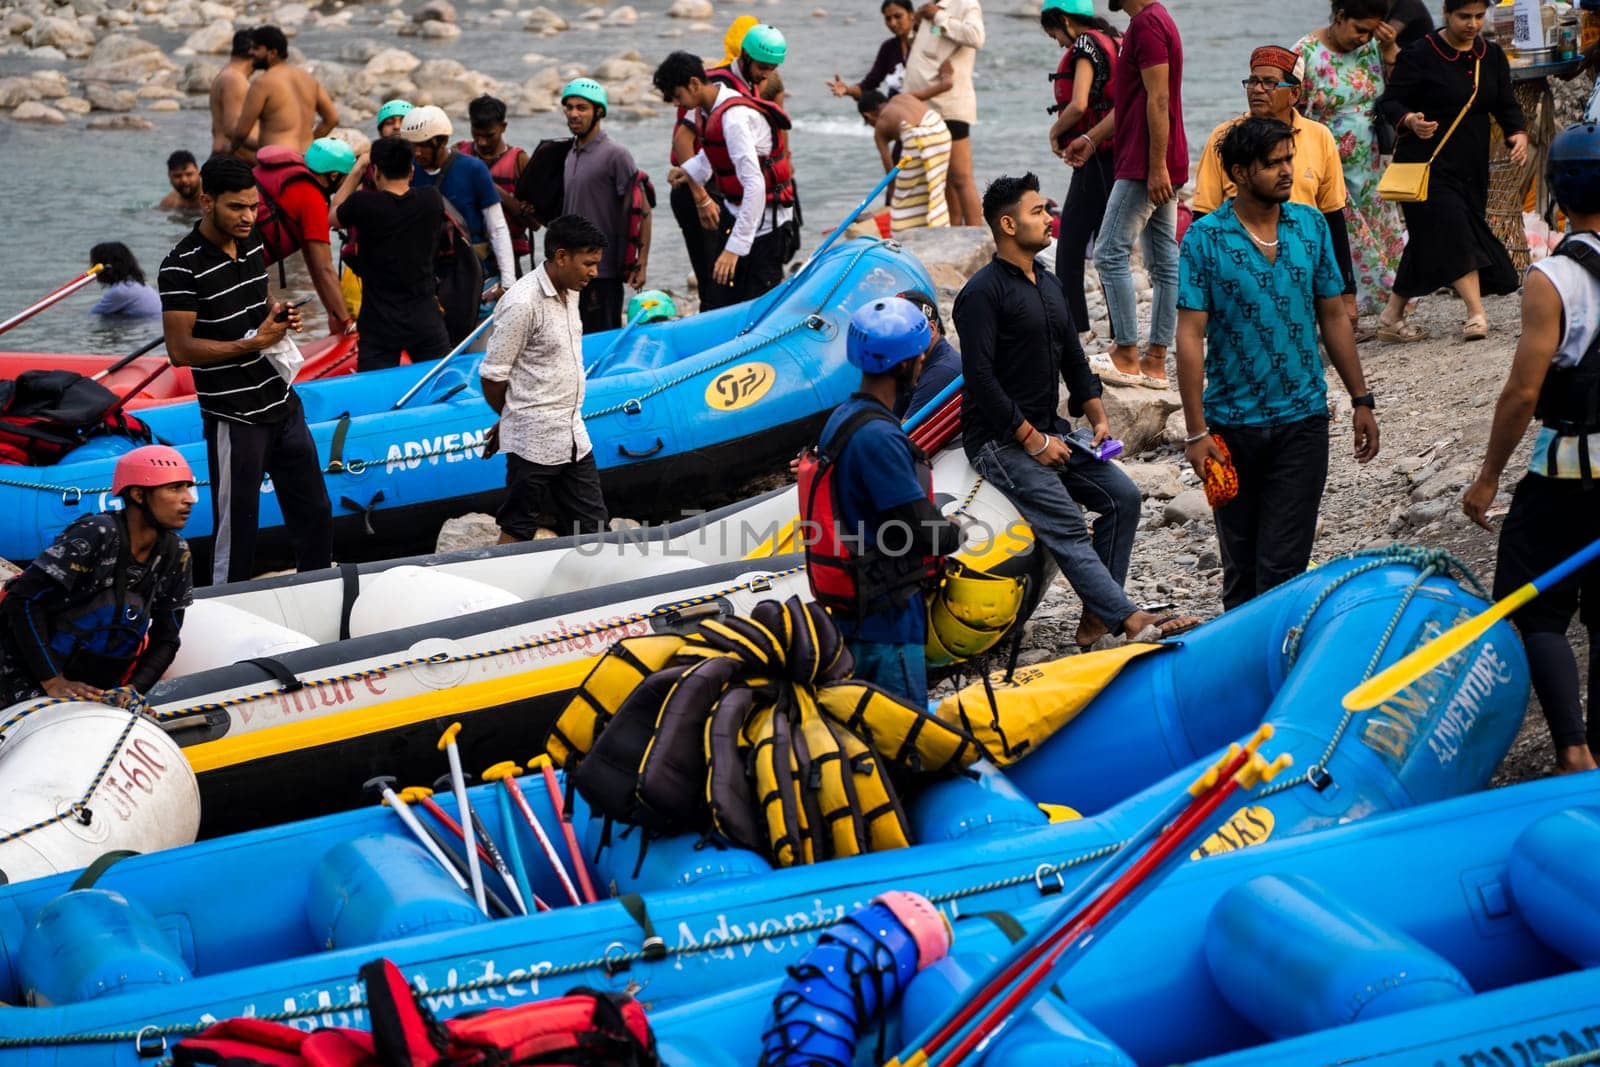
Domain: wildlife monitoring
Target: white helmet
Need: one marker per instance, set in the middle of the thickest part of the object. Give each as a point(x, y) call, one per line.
point(425, 123)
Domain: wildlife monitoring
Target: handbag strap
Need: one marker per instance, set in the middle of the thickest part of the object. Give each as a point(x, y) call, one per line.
point(1477, 65)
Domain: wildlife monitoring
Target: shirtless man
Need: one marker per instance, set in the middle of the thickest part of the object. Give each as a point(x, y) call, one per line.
point(917, 197)
point(228, 90)
point(292, 108)
point(183, 174)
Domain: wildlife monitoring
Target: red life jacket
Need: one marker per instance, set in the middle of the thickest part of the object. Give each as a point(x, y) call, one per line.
point(504, 173)
point(1099, 105)
point(641, 201)
point(777, 167)
point(841, 579)
point(585, 1028)
point(278, 167)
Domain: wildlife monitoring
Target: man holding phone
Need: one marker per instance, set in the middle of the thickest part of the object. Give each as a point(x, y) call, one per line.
point(219, 322)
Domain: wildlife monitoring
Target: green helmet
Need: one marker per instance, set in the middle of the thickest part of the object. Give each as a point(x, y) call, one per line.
point(652, 305)
point(1078, 9)
point(329, 155)
point(586, 89)
point(765, 44)
point(399, 108)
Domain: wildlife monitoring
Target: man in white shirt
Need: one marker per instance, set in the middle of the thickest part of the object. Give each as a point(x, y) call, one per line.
point(532, 376)
point(744, 151)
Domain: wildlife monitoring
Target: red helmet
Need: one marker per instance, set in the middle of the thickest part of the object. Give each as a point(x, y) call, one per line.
point(149, 466)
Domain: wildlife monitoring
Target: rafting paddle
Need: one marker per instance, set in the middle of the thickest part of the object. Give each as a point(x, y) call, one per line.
point(1401, 673)
point(53, 296)
point(127, 359)
point(542, 764)
point(505, 772)
point(447, 744)
point(794, 279)
point(439, 366)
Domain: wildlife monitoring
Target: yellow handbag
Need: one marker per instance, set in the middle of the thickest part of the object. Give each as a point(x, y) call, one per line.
point(1407, 183)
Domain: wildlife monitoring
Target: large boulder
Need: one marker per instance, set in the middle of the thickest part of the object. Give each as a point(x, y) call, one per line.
point(448, 84)
point(621, 68)
point(1138, 415)
point(439, 31)
point(215, 39)
point(952, 254)
point(49, 84)
point(691, 9)
point(435, 11)
point(16, 23)
point(103, 97)
point(14, 92)
point(198, 74)
point(121, 57)
point(391, 62)
point(33, 111)
point(473, 530)
point(66, 34)
point(542, 19)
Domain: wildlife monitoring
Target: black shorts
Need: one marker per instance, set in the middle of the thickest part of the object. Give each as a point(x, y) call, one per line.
point(1549, 520)
point(959, 131)
point(567, 494)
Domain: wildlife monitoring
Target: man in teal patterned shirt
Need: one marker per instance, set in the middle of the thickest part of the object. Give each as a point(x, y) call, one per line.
point(1256, 279)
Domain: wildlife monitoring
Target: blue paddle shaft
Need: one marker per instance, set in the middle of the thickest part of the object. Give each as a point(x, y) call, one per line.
point(922, 414)
point(1567, 567)
point(439, 366)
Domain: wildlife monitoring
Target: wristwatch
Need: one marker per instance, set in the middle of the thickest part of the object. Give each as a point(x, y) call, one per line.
point(1365, 400)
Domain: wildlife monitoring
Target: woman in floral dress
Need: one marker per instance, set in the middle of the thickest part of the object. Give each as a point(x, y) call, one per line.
point(1344, 64)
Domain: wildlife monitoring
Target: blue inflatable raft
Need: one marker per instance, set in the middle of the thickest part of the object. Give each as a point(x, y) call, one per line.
point(277, 922)
point(673, 408)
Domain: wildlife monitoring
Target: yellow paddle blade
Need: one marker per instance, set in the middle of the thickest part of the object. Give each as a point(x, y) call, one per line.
point(1395, 677)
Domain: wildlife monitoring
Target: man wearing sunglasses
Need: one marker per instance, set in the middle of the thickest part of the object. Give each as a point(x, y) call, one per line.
point(1271, 91)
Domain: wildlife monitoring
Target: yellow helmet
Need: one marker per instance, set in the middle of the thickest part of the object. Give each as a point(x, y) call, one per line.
point(969, 613)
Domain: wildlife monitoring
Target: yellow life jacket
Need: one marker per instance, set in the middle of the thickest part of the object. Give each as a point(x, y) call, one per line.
point(908, 737)
point(608, 683)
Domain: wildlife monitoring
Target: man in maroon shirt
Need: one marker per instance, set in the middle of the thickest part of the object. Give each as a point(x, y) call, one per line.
point(1151, 160)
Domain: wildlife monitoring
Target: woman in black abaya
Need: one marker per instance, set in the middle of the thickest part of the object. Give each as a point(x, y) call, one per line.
point(1448, 239)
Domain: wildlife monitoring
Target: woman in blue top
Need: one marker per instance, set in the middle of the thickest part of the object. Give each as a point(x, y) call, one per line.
point(126, 295)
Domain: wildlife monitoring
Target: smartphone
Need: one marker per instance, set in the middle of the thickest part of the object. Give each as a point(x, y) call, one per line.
point(283, 313)
point(1083, 439)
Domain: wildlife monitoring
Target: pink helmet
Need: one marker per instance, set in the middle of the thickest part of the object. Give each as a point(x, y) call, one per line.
point(926, 924)
point(149, 466)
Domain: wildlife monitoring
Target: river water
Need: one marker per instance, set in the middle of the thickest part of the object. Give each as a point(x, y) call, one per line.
point(67, 188)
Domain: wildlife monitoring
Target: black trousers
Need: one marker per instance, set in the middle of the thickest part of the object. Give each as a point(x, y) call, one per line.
point(1265, 533)
point(567, 492)
point(600, 305)
point(238, 455)
point(759, 270)
point(702, 244)
point(1080, 220)
point(428, 340)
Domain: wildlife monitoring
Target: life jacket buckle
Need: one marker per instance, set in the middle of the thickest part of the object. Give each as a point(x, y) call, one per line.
point(1048, 889)
point(146, 1049)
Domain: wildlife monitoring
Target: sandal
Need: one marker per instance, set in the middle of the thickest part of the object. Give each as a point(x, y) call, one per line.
point(1400, 333)
point(1476, 328)
point(1365, 334)
point(1151, 381)
point(1167, 626)
point(1110, 375)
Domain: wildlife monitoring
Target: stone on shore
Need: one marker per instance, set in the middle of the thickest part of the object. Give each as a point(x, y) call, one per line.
point(68, 35)
point(33, 111)
point(1138, 415)
point(435, 11)
point(391, 63)
point(15, 92)
point(48, 84)
point(124, 58)
point(541, 19)
point(951, 254)
point(73, 105)
point(105, 98)
point(473, 530)
point(691, 9)
point(1188, 506)
point(439, 31)
point(213, 40)
point(198, 74)
point(626, 15)
point(120, 122)
point(1156, 481)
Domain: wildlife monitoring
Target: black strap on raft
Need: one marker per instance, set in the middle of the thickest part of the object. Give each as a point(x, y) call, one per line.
point(365, 510)
point(336, 449)
point(654, 947)
point(91, 874)
point(350, 576)
point(284, 675)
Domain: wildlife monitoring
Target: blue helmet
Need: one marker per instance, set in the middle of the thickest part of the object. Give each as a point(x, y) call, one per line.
point(1574, 168)
point(887, 333)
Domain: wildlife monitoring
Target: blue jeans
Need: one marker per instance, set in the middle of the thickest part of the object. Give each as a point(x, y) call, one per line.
point(1129, 215)
point(900, 669)
point(1095, 566)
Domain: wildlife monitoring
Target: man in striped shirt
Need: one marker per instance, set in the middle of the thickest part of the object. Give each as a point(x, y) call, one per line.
point(219, 322)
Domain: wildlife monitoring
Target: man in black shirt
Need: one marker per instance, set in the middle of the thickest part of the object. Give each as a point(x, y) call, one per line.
point(397, 232)
point(218, 322)
point(1018, 343)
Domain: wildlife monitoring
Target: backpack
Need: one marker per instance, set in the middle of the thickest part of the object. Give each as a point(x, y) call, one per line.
point(44, 414)
point(543, 183)
point(584, 1028)
point(842, 579)
point(641, 201)
point(457, 270)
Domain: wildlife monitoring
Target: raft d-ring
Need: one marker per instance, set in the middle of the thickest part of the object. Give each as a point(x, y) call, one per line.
point(71, 497)
point(144, 1048)
point(1319, 777)
point(632, 407)
point(761, 583)
point(613, 958)
point(439, 657)
point(1048, 889)
point(356, 466)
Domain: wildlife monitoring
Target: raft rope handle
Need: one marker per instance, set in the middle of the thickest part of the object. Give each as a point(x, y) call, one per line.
point(1429, 561)
point(72, 494)
point(78, 809)
point(759, 583)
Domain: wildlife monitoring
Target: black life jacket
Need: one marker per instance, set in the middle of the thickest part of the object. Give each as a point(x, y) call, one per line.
point(846, 579)
point(44, 414)
point(543, 183)
point(98, 640)
point(1569, 401)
